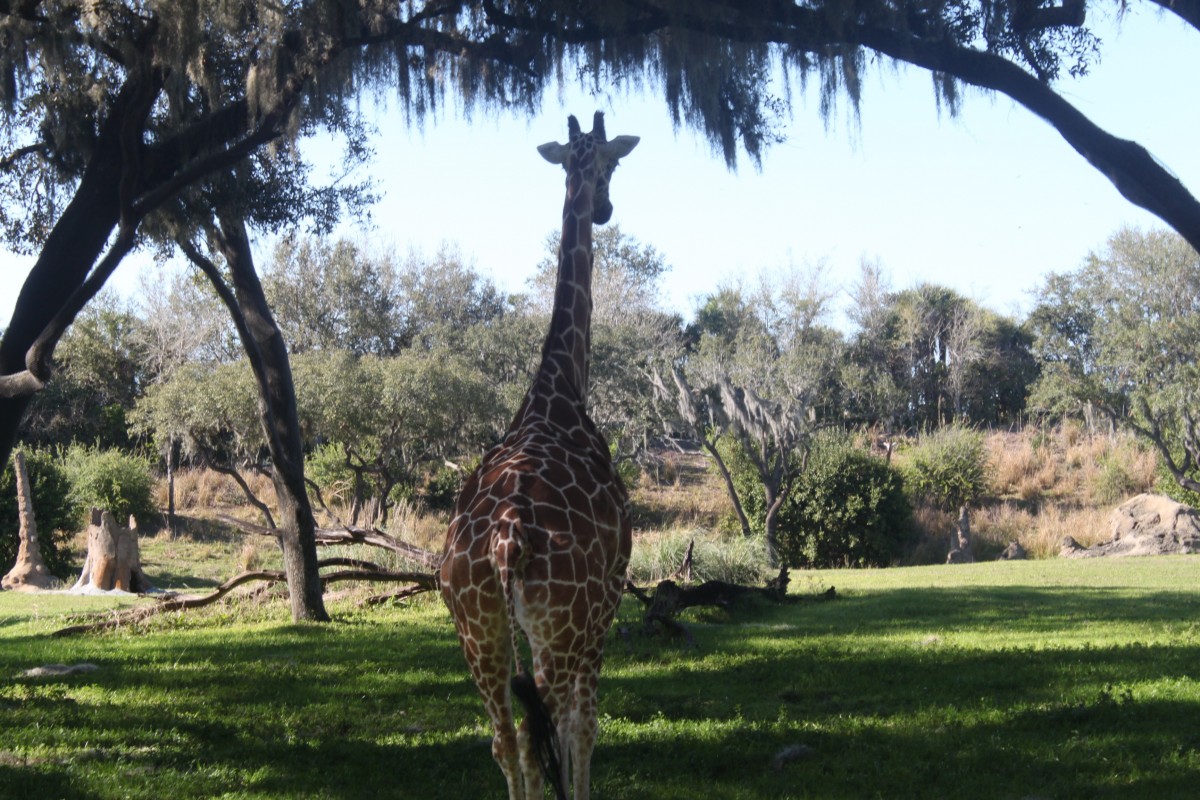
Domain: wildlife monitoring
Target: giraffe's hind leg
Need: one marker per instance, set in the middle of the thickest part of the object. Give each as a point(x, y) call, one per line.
point(490, 661)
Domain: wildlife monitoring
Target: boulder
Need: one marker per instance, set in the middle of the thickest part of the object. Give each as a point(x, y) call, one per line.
point(1146, 525)
point(1014, 552)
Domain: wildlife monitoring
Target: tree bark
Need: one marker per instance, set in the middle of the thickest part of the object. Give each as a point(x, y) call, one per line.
point(268, 358)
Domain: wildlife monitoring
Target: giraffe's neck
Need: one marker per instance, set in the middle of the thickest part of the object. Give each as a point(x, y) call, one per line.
point(567, 348)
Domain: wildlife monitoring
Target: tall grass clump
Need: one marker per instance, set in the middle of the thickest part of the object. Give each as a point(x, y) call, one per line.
point(113, 480)
point(658, 555)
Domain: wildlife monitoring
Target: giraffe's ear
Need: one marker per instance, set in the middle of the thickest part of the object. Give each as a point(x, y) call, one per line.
point(554, 152)
point(620, 147)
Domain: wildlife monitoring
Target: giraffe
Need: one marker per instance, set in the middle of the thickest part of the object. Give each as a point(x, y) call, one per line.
point(540, 539)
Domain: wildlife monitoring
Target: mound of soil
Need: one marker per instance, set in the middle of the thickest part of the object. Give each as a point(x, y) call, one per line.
point(1147, 525)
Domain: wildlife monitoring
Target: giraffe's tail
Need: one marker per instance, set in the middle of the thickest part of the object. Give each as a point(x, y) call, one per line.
point(542, 734)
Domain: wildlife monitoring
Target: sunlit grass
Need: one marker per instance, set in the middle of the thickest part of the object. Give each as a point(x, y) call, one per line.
point(1047, 679)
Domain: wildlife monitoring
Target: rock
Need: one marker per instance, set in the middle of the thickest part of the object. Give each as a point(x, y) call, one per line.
point(59, 670)
point(1146, 525)
point(1014, 552)
point(789, 754)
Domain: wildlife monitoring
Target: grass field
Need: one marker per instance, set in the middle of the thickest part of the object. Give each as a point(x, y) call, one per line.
point(1045, 679)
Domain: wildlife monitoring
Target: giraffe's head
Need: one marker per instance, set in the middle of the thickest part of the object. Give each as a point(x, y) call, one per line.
point(594, 157)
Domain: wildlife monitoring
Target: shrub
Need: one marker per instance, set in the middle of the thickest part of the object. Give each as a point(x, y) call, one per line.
point(947, 468)
point(848, 509)
point(326, 467)
point(441, 487)
point(118, 482)
point(734, 559)
point(55, 513)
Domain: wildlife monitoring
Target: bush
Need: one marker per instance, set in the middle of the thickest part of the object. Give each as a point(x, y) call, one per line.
point(1113, 482)
point(441, 487)
point(54, 512)
point(118, 482)
point(948, 468)
point(733, 559)
point(848, 509)
point(326, 467)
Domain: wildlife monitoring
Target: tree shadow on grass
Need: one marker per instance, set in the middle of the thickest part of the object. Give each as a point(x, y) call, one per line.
point(362, 709)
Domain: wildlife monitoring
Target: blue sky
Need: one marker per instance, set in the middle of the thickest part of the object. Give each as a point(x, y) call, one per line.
point(987, 202)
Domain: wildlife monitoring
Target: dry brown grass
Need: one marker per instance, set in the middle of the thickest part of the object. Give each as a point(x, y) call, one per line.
point(201, 488)
point(681, 492)
point(1044, 485)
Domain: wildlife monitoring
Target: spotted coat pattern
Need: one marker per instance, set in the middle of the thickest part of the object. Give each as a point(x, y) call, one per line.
point(541, 532)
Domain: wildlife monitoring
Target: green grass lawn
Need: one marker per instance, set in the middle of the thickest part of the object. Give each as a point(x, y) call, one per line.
point(1047, 679)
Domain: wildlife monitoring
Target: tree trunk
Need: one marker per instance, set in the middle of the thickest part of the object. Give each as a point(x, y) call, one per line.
point(72, 247)
point(113, 558)
point(172, 458)
point(29, 573)
point(960, 543)
point(277, 399)
point(711, 447)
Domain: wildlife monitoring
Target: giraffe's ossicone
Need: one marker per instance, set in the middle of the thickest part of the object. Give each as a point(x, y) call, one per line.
point(539, 544)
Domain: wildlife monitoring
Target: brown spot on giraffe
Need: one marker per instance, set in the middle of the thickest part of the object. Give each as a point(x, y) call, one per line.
point(539, 544)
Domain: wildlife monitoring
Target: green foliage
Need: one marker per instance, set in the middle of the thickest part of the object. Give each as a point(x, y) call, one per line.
point(734, 559)
point(947, 468)
point(116, 481)
point(1165, 483)
point(848, 509)
point(441, 488)
point(1120, 335)
point(626, 468)
point(326, 467)
point(54, 511)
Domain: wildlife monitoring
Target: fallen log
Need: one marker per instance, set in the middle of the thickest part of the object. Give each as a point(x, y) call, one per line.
point(171, 603)
point(669, 598)
point(360, 571)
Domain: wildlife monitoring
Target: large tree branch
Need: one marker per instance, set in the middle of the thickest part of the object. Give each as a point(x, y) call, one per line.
point(1135, 173)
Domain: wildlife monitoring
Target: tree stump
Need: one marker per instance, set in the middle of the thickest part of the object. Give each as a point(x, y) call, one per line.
point(29, 573)
point(113, 560)
point(960, 543)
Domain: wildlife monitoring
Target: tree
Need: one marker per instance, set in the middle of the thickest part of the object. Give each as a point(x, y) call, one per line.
point(925, 356)
point(266, 352)
point(332, 296)
point(632, 335)
point(100, 375)
point(764, 376)
point(146, 100)
point(389, 417)
point(440, 298)
point(157, 102)
point(1120, 335)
